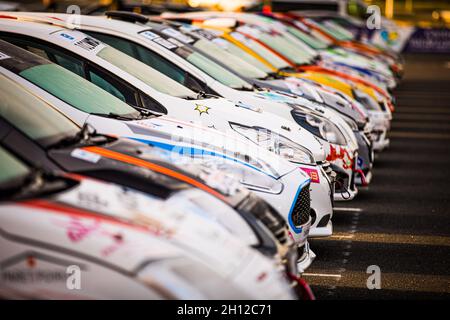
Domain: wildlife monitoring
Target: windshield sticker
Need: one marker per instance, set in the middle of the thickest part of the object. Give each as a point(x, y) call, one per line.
point(205, 34)
point(177, 35)
point(166, 44)
point(89, 44)
point(85, 155)
point(149, 35)
point(67, 36)
point(4, 56)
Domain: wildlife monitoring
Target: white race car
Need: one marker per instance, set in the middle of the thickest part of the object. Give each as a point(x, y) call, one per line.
point(148, 43)
point(254, 127)
point(276, 180)
point(66, 238)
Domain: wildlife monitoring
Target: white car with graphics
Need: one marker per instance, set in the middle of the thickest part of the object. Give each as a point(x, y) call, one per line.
point(167, 43)
point(274, 179)
point(254, 128)
point(121, 244)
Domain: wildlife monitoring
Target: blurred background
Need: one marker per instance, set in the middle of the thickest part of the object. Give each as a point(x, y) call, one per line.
point(434, 13)
point(412, 26)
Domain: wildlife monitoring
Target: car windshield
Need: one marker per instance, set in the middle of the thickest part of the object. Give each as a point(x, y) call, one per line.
point(233, 62)
point(311, 41)
point(344, 34)
point(330, 30)
point(75, 90)
point(287, 47)
point(33, 116)
point(211, 68)
point(145, 73)
point(12, 171)
point(239, 52)
point(260, 50)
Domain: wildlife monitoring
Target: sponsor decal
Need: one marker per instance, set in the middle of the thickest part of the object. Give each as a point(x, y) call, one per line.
point(204, 34)
point(360, 162)
point(178, 35)
point(78, 229)
point(67, 36)
point(88, 43)
point(341, 154)
point(85, 155)
point(34, 268)
point(313, 174)
point(149, 35)
point(201, 109)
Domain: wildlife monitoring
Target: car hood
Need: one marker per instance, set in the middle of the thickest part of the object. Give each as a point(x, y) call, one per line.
point(90, 217)
point(222, 112)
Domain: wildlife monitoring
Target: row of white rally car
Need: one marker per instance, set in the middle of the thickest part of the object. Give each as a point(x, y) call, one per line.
point(179, 156)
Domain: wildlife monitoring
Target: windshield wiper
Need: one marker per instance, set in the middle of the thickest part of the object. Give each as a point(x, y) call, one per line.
point(114, 116)
point(188, 97)
point(204, 95)
point(145, 113)
point(243, 88)
point(37, 182)
point(82, 135)
point(287, 69)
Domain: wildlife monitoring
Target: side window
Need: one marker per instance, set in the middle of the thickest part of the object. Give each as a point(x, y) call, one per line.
point(164, 66)
point(152, 105)
point(145, 55)
point(115, 42)
point(194, 84)
point(111, 85)
point(150, 58)
point(68, 62)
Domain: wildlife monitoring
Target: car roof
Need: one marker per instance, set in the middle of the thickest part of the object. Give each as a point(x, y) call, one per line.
point(70, 21)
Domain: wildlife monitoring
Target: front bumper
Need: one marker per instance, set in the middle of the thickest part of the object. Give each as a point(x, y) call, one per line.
point(380, 140)
point(378, 134)
point(283, 203)
point(306, 257)
point(321, 201)
point(365, 160)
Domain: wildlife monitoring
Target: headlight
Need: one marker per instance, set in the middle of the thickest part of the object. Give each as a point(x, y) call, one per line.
point(217, 172)
point(367, 101)
point(320, 127)
point(276, 143)
point(222, 171)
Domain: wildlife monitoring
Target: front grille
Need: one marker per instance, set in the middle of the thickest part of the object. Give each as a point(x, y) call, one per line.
point(302, 207)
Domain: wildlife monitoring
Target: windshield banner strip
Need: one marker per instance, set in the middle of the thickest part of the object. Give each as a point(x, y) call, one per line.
point(154, 167)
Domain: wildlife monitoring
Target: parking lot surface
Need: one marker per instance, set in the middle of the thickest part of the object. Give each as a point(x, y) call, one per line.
point(401, 222)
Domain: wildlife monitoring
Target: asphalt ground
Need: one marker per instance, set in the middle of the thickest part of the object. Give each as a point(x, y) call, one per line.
point(401, 222)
